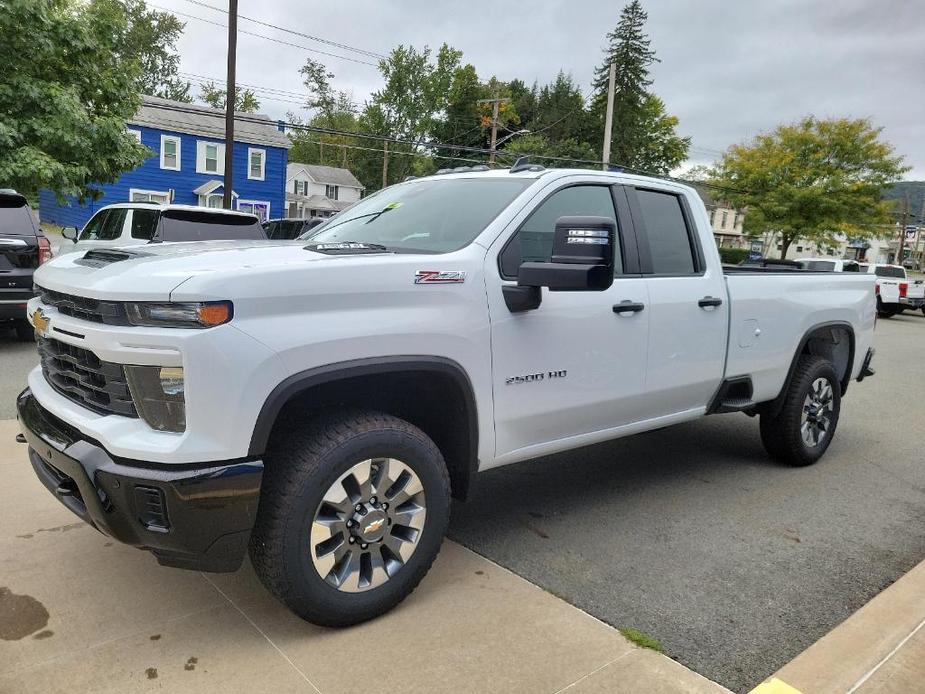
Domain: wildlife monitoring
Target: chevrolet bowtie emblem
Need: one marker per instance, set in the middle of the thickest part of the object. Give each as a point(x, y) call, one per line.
point(40, 322)
point(374, 526)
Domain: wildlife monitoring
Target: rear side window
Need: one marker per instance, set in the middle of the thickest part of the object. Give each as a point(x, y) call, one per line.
point(667, 233)
point(819, 265)
point(144, 223)
point(105, 225)
point(533, 241)
point(15, 216)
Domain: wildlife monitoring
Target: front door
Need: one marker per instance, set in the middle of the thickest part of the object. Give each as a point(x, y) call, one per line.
point(574, 365)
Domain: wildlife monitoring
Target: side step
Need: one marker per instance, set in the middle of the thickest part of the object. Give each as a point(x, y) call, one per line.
point(733, 395)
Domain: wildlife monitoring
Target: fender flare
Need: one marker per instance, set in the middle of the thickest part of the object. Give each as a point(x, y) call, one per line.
point(304, 380)
point(773, 407)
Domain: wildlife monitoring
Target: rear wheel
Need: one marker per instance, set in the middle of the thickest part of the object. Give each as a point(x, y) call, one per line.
point(803, 429)
point(352, 515)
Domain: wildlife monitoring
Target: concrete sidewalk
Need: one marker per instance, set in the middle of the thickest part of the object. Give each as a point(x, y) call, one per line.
point(79, 613)
point(880, 649)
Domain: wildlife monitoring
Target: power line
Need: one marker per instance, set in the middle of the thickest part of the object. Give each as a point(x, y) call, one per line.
point(430, 144)
point(264, 36)
point(344, 46)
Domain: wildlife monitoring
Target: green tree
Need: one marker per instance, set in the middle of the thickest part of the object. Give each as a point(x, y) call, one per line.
point(245, 100)
point(644, 135)
point(151, 39)
point(560, 113)
point(814, 180)
point(461, 123)
point(66, 91)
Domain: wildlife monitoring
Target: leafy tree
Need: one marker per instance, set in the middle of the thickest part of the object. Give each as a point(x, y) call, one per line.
point(461, 123)
point(245, 100)
point(560, 113)
point(644, 135)
point(813, 180)
point(151, 39)
point(66, 91)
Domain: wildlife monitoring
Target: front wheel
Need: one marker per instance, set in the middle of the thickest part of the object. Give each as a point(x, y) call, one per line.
point(803, 429)
point(352, 514)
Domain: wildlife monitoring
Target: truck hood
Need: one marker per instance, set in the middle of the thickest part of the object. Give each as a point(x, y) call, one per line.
point(152, 271)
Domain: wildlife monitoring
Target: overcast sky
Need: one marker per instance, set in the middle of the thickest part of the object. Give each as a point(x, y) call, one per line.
point(728, 69)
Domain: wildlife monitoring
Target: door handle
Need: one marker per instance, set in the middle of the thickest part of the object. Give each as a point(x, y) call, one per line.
point(708, 301)
point(627, 306)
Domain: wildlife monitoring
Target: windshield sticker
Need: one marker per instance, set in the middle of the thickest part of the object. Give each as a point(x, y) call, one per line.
point(394, 205)
point(439, 277)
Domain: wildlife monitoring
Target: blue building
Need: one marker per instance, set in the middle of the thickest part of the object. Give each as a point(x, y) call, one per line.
point(188, 164)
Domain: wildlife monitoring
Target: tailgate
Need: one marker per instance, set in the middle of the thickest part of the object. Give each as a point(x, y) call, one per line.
point(916, 289)
point(19, 256)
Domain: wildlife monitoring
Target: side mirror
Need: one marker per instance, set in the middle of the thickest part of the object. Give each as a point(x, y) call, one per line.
point(70, 233)
point(582, 260)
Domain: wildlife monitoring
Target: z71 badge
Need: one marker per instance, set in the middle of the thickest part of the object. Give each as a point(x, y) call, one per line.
point(439, 277)
point(533, 378)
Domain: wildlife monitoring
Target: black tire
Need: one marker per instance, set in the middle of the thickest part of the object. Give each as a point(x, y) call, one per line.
point(24, 331)
point(883, 311)
point(300, 467)
point(782, 435)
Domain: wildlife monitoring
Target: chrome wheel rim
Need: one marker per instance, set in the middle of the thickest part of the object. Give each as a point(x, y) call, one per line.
point(368, 524)
point(818, 407)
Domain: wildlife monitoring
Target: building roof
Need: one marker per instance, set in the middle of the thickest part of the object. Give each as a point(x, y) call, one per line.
point(193, 119)
point(324, 174)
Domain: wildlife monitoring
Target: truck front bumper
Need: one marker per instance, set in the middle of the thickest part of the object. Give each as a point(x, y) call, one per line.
point(190, 516)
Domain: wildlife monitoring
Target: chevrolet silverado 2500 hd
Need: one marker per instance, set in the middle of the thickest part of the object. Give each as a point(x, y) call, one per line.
point(319, 401)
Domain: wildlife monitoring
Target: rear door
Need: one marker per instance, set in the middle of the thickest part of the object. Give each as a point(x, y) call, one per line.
point(19, 254)
point(104, 230)
point(688, 313)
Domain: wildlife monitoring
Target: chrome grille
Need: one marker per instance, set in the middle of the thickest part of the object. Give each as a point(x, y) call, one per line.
point(94, 310)
point(79, 375)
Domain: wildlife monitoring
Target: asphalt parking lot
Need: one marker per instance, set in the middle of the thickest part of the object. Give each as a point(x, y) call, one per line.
point(693, 536)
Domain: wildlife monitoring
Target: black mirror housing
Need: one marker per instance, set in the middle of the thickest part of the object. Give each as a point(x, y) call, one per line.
point(582, 257)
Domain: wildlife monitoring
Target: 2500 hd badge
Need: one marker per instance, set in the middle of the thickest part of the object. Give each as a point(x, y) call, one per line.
point(533, 378)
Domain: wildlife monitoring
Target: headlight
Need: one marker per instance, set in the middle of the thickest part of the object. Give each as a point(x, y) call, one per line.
point(158, 395)
point(199, 314)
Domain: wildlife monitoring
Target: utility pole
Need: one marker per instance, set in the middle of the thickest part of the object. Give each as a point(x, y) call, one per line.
point(902, 230)
point(495, 108)
point(385, 163)
point(230, 95)
point(608, 124)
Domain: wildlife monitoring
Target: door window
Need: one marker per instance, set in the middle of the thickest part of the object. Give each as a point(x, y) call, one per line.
point(667, 233)
point(143, 224)
point(533, 241)
point(106, 225)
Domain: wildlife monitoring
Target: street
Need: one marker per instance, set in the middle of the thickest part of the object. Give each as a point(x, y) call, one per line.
point(692, 536)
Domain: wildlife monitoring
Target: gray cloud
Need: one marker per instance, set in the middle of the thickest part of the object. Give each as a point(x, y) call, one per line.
point(728, 70)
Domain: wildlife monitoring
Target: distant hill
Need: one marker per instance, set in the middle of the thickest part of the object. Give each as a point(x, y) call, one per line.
point(916, 190)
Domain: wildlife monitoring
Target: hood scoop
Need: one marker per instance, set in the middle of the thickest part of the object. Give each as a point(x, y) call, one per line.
point(347, 248)
point(107, 256)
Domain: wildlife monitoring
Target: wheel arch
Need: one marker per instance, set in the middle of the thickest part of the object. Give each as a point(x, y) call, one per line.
point(833, 340)
point(433, 393)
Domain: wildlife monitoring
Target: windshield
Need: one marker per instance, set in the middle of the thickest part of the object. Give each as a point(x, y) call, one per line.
point(431, 216)
point(889, 271)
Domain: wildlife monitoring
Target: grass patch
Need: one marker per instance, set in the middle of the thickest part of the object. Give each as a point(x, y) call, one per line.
point(642, 640)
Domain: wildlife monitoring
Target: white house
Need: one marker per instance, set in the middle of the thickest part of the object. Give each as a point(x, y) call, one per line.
point(319, 191)
point(725, 220)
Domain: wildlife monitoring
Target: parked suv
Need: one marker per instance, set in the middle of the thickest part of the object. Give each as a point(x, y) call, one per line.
point(136, 223)
point(23, 247)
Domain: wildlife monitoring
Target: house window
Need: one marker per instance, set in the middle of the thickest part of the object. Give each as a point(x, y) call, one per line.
point(722, 224)
point(780, 246)
point(330, 192)
point(159, 196)
point(170, 152)
point(301, 187)
point(256, 163)
point(799, 249)
point(260, 208)
point(210, 157)
point(135, 133)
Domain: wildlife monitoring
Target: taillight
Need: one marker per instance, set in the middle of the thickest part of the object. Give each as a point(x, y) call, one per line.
point(903, 289)
point(877, 289)
point(44, 249)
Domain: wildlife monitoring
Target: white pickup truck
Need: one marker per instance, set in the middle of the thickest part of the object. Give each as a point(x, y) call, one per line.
point(319, 401)
point(896, 292)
